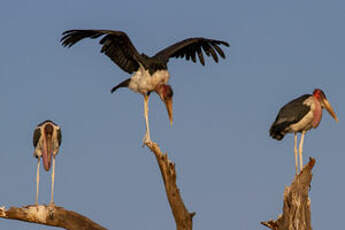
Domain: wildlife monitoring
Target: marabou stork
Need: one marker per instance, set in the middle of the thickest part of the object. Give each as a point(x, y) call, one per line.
point(47, 141)
point(300, 115)
point(149, 74)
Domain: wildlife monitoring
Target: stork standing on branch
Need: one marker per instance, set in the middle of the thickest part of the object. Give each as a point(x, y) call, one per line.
point(149, 74)
point(47, 141)
point(300, 115)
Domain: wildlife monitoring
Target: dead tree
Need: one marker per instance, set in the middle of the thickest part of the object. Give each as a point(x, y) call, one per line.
point(296, 207)
point(60, 217)
point(50, 215)
point(183, 218)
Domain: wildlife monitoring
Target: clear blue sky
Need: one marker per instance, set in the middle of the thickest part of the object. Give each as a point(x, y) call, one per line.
point(230, 172)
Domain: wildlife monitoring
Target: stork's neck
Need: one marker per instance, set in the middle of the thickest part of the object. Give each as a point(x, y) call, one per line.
point(317, 112)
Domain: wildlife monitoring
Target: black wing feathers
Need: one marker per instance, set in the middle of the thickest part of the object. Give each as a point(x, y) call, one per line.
point(59, 136)
point(116, 45)
point(125, 83)
point(289, 114)
point(189, 47)
point(36, 136)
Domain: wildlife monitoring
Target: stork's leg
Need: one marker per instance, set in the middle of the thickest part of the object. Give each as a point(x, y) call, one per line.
point(147, 137)
point(295, 150)
point(53, 180)
point(300, 150)
point(37, 179)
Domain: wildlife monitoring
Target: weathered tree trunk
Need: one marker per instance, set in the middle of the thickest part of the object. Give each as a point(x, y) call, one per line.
point(183, 218)
point(53, 216)
point(296, 208)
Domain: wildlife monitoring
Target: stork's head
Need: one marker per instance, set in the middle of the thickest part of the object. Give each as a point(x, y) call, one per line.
point(321, 97)
point(47, 140)
point(166, 93)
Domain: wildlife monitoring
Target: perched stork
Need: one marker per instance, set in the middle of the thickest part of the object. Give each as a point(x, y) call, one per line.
point(300, 115)
point(47, 141)
point(149, 74)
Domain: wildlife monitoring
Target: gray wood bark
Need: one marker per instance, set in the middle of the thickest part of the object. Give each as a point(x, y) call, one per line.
point(296, 208)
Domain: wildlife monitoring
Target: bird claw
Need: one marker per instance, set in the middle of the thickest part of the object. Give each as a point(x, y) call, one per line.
point(52, 204)
point(146, 139)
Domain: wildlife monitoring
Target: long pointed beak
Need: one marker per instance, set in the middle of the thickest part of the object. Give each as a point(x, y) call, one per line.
point(168, 104)
point(47, 152)
point(329, 109)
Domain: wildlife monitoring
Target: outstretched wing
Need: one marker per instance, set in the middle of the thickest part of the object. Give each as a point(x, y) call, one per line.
point(116, 45)
point(188, 48)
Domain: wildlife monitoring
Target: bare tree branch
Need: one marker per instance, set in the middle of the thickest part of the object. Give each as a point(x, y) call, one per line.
point(60, 217)
point(50, 215)
point(296, 208)
point(183, 218)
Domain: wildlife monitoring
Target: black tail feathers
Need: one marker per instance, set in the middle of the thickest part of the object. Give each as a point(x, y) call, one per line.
point(125, 83)
point(277, 131)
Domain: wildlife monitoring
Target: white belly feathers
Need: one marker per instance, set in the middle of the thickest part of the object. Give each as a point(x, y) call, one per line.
point(304, 124)
point(142, 82)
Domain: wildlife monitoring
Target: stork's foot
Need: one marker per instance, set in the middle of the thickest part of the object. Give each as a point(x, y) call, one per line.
point(146, 139)
point(52, 204)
